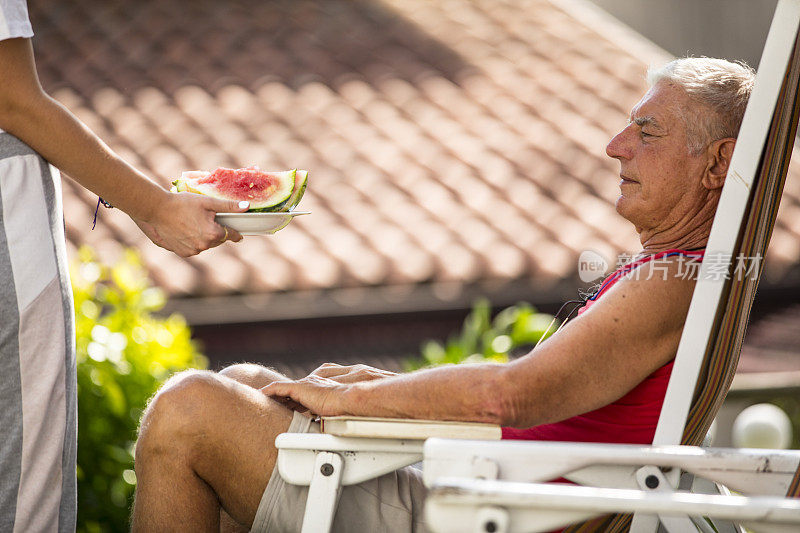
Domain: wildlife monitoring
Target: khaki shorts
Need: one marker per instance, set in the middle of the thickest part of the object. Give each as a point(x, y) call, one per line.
point(390, 503)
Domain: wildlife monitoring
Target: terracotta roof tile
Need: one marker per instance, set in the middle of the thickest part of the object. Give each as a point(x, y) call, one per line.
point(551, 257)
point(170, 272)
point(505, 261)
point(772, 343)
point(457, 263)
point(449, 142)
point(269, 271)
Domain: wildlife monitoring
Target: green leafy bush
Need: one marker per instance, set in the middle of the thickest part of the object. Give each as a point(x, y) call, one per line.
point(482, 338)
point(124, 354)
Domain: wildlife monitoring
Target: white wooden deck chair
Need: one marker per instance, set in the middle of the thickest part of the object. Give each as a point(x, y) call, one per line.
point(706, 357)
point(501, 487)
point(646, 479)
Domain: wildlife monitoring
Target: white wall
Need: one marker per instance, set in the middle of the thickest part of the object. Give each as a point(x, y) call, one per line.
point(733, 29)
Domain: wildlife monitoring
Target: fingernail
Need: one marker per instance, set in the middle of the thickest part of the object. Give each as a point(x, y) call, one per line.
point(244, 204)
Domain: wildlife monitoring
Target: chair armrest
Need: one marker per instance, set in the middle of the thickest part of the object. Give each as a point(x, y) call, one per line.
point(455, 505)
point(749, 471)
point(369, 447)
point(407, 428)
point(332, 443)
point(363, 458)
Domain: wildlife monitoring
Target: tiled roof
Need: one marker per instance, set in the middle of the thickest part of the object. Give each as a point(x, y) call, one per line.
point(454, 145)
point(772, 343)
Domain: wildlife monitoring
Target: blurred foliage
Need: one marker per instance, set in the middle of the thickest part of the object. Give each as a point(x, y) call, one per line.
point(512, 331)
point(124, 354)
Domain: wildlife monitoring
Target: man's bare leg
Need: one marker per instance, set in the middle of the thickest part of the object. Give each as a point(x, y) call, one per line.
point(255, 376)
point(205, 444)
point(252, 375)
point(229, 525)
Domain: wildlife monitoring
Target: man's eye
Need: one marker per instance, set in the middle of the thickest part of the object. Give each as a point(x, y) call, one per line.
point(644, 134)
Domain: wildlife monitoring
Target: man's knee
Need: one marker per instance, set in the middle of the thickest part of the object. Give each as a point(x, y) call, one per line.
point(176, 415)
point(250, 374)
point(189, 405)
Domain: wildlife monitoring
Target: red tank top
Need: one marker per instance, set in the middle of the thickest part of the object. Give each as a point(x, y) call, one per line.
point(633, 418)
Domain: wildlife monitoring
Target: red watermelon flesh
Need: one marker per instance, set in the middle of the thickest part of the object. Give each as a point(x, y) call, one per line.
point(242, 183)
point(266, 191)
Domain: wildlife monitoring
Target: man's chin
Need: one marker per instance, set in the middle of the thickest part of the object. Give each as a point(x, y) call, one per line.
point(619, 204)
point(623, 207)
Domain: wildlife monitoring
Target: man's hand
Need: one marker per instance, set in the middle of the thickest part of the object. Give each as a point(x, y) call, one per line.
point(351, 373)
point(184, 223)
point(322, 396)
point(323, 391)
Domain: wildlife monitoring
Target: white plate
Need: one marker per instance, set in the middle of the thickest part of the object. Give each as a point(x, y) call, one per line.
point(257, 223)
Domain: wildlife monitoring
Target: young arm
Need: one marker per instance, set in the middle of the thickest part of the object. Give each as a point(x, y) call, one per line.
point(595, 359)
point(183, 223)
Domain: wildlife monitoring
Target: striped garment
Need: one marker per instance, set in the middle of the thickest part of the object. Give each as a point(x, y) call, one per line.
point(14, 19)
point(38, 388)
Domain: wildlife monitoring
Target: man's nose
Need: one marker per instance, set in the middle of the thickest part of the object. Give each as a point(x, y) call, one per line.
point(618, 147)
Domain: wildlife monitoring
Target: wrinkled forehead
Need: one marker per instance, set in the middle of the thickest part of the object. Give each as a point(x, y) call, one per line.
point(661, 106)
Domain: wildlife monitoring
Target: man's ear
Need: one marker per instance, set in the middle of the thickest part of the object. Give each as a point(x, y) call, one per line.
point(719, 160)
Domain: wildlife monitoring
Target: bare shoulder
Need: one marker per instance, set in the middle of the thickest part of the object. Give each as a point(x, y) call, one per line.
point(657, 293)
point(626, 335)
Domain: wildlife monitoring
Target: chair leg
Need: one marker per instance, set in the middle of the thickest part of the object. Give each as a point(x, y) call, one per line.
point(650, 478)
point(704, 486)
point(323, 493)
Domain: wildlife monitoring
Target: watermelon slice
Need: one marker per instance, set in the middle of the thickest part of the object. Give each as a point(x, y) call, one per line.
point(266, 191)
point(300, 182)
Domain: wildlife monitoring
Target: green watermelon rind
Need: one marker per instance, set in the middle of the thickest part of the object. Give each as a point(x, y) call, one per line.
point(280, 199)
point(278, 208)
point(299, 189)
point(300, 182)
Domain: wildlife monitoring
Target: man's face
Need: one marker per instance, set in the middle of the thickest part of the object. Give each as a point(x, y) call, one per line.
point(660, 179)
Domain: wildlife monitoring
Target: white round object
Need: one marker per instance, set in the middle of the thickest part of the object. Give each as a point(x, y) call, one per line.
point(712, 434)
point(762, 426)
point(257, 223)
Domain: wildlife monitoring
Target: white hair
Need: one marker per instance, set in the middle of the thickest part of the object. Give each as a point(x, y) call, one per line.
point(721, 87)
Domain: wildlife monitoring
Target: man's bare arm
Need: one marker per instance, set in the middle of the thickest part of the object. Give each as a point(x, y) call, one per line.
point(183, 223)
point(630, 332)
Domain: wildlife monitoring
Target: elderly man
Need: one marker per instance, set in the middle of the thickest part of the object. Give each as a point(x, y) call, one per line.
point(205, 457)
